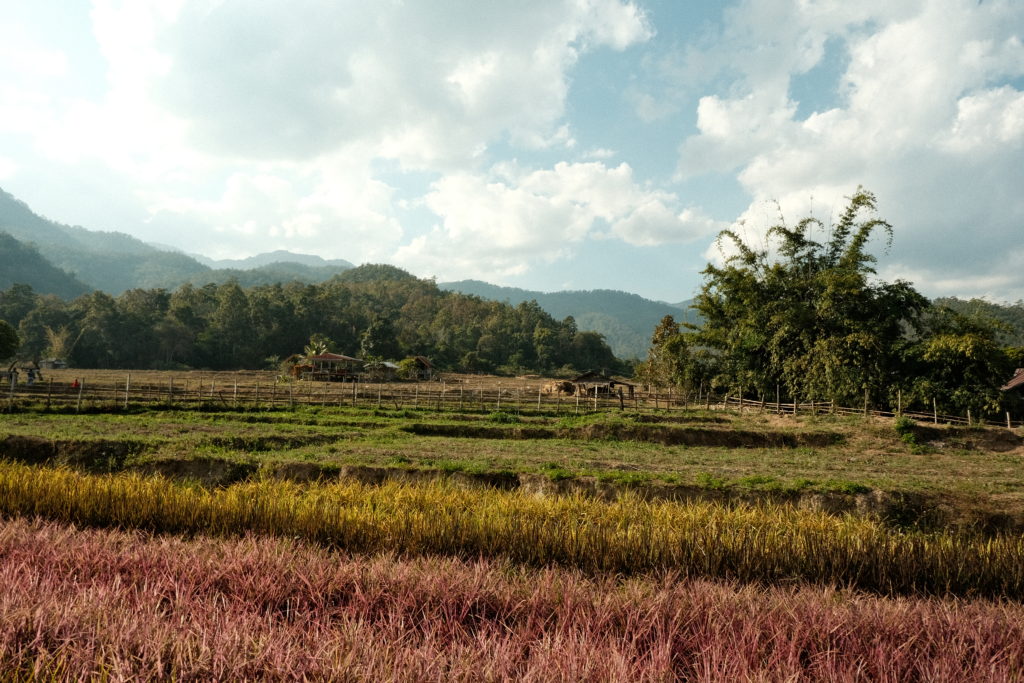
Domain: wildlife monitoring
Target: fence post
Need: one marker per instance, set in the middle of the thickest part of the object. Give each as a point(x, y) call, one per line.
point(899, 401)
point(539, 390)
point(865, 401)
point(78, 404)
point(968, 417)
point(1009, 425)
point(127, 389)
point(935, 411)
point(49, 391)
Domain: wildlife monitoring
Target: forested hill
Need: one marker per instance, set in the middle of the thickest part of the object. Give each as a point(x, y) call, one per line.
point(21, 263)
point(114, 262)
point(373, 311)
point(626, 320)
point(1009, 315)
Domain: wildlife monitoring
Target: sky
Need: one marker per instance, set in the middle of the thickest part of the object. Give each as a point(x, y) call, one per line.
point(543, 144)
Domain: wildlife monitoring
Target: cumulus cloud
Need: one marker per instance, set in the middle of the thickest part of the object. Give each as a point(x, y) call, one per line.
point(332, 210)
point(261, 125)
point(498, 224)
point(927, 117)
point(291, 81)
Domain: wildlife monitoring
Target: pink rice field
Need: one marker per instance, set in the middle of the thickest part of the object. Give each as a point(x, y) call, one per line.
point(81, 604)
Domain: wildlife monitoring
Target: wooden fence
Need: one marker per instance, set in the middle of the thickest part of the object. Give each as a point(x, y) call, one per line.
point(263, 391)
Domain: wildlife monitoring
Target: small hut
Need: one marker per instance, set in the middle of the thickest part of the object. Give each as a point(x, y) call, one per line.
point(423, 369)
point(595, 384)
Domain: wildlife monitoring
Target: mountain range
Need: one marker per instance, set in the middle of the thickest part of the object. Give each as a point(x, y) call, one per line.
point(626, 320)
point(70, 260)
point(115, 262)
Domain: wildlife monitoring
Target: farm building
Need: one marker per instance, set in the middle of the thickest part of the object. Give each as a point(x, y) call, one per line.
point(423, 368)
point(593, 383)
point(1016, 382)
point(331, 367)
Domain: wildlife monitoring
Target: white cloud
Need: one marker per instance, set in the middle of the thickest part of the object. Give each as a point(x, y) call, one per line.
point(927, 118)
point(426, 87)
point(7, 168)
point(502, 223)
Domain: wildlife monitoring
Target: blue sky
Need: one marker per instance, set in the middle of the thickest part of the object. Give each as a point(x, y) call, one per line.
point(545, 144)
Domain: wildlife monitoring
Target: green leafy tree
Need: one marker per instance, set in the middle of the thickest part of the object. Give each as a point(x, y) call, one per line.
point(807, 315)
point(9, 341)
point(959, 364)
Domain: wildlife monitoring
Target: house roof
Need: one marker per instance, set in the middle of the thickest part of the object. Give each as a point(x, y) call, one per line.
point(333, 358)
point(1016, 382)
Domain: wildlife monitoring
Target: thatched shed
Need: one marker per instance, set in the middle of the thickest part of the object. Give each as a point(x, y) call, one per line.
point(595, 384)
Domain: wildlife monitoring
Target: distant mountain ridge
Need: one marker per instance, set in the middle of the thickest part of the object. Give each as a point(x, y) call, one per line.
point(115, 262)
point(626, 320)
point(270, 258)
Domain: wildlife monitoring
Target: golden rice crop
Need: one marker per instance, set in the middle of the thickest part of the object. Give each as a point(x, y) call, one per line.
point(756, 543)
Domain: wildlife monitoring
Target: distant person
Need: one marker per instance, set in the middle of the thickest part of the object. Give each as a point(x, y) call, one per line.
point(75, 384)
point(31, 377)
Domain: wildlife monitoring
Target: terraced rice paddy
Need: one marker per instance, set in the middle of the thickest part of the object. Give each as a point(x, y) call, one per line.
point(697, 545)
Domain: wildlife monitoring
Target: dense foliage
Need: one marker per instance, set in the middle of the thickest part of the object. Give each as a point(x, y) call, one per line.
point(807, 320)
point(373, 310)
point(9, 341)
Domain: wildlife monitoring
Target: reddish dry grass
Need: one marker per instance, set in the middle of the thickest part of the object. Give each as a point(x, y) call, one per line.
point(77, 604)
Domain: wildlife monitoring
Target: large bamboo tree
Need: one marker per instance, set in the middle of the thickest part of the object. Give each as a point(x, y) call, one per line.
point(805, 315)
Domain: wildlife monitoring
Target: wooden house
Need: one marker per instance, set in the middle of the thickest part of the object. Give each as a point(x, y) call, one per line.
point(1016, 383)
point(332, 367)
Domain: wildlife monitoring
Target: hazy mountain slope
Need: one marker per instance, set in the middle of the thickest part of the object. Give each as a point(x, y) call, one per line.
point(21, 263)
point(115, 262)
point(279, 257)
point(626, 320)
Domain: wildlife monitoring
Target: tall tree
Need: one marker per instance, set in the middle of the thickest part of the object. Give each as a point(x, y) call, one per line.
point(805, 315)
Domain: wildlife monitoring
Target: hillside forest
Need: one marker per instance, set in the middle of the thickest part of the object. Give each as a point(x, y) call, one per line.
point(373, 312)
point(805, 319)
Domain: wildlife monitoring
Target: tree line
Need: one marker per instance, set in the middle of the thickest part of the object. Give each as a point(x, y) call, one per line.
point(805, 318)
point(373, 311)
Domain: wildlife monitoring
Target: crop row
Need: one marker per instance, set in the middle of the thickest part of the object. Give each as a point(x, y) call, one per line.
point(113, 605)
point(765, 544)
